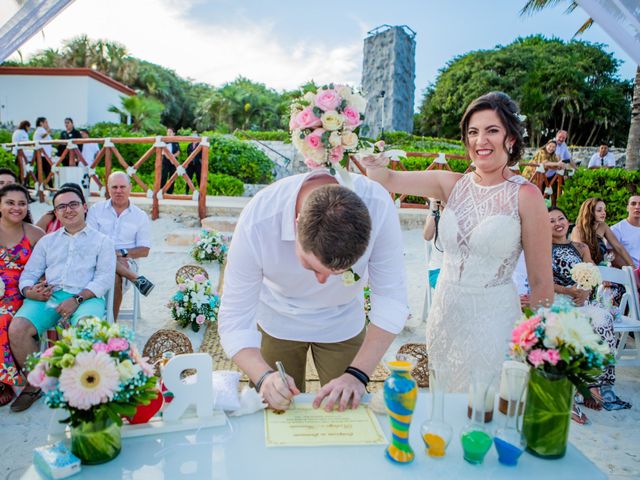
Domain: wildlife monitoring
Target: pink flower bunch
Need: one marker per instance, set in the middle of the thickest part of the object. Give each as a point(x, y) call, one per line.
point(523, 336)
point(538, 356)
point(199, 278)
point(323, 124)
point(117, 345)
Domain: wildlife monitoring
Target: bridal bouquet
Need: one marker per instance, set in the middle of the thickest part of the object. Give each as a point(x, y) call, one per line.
point(560, 340)
point(95, 372)
point(195, 303)
point(209, 246)
point(586, 275)
point(324, 125)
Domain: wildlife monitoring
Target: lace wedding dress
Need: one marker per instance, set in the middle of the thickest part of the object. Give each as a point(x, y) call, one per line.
point(476, 303)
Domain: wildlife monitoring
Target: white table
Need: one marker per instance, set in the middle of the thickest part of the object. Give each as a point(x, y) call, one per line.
point(237, 451)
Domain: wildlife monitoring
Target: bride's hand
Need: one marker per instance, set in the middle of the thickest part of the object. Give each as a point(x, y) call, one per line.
point(375, 161)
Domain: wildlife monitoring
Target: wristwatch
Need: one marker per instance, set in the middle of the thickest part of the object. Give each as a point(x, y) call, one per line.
point(124, 252)
point(79, 299)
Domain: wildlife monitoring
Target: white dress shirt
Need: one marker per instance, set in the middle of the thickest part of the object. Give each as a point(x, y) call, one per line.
point(597, 161)
point(20, 135)
point(41, 134)
point(266, 284)
point(89, 152)
point(629, 236)
point(85, 260)
point(128, 230)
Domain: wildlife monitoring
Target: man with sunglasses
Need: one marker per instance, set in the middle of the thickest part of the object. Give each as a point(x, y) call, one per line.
point(78, 264)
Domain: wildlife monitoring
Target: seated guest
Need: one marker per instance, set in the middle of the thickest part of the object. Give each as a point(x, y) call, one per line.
point(7, 176)
point(565, 254)
point(128, 227)
point(48, 221)
point(17, 238)
point(545, 156)
point(78, 266)
point(628, 230)
point(603, 158)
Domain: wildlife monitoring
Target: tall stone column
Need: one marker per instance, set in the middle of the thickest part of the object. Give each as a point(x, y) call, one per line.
point(388, 79)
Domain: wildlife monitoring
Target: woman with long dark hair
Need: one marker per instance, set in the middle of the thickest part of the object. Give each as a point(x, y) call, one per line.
point(17, 239)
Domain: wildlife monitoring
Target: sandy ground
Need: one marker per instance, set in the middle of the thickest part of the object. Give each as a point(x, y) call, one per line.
point(612, 441)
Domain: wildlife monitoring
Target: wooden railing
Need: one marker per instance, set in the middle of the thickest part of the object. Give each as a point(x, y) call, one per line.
point(107, 154)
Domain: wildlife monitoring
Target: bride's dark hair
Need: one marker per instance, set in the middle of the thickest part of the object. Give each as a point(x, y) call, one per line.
point(508, 112)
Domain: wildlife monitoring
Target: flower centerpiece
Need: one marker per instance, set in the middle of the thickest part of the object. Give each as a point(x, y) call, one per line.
point(195, 303)
point(209, 246)
point(563, 350)
point(586, 275)
point(96, 373)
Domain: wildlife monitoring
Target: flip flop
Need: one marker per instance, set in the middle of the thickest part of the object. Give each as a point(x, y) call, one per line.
point(25, 400)
point(578, 416)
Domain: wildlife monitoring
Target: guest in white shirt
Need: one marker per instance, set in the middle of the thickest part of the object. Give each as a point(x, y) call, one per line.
point(78, 264)
point(602, 159)
point(21, 134)
point(128, 227)
point(43, 133)
point(89, 150)
point(628, 230)
point(302, 251)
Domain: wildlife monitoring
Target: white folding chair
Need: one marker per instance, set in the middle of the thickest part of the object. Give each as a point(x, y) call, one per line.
point(427, 292)
point(628, 323)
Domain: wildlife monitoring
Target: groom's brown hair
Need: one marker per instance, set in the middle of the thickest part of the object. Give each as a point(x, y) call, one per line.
point(335, 226)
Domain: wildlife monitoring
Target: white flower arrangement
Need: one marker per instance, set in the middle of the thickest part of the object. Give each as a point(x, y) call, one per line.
point(350, 277)
point(209, 246)
point(586, 275)
point(195, 303)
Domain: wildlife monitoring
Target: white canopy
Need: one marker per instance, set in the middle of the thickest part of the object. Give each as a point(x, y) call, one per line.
point(21, 19)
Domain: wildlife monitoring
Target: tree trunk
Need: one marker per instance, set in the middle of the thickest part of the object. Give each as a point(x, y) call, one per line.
point(633, 143)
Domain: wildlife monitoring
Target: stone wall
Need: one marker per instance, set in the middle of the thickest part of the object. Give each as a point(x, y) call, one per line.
point(388, 80)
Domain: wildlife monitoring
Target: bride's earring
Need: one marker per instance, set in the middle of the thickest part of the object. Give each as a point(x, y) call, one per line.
point(510, 149)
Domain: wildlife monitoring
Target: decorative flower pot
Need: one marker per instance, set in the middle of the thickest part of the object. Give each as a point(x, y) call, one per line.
point(96, 442)
point(400, 395)
point(547, 414)
point(144, 413)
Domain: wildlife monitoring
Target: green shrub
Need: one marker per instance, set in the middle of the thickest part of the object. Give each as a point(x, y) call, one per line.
point(614, 186)
point(238, 159)
point(5, 135)
point(221, 184)
point(413, 143)
point(276, 135)
point(8, 160)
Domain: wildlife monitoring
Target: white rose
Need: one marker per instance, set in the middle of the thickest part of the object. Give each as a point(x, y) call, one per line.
point(344, 91)
point(318, 155)
point(357, 101)
point(335, 140)
point(126, 370)
point(349, 140)
point(332, 120)
point(348, 278)
point(310, 97)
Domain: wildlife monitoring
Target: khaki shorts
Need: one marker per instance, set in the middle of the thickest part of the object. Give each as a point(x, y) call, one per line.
point(330, 359)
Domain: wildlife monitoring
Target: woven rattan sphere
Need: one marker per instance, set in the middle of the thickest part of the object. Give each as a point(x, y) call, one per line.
point(419, 352)
point(166, 341)
point(187, 272)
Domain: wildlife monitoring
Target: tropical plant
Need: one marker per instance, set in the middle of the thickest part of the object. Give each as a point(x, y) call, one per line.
point(144, 112)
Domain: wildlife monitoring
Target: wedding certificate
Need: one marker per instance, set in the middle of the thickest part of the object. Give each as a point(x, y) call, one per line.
point(305, 426)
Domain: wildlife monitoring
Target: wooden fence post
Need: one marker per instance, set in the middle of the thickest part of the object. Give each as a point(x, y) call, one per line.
point(204, 178)
point(155, 209)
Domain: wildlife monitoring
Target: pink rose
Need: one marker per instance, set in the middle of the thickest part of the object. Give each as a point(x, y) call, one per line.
point(47, 353)
point(552, 356)
point(197, 239)
point(352, 117)
point(100, 347)
point(307, 119)
point(37, 376)
point(336, 154)
point(199, 278)
point(314, 139)
point(117, 345)
point(536, 357)
point(200, 319)
point(293, 124)
point(309, 162)
point(182, 287)
point(328, 100)
point(524, 335)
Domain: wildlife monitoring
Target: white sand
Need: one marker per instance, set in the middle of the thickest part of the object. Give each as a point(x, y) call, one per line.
point(612, 441)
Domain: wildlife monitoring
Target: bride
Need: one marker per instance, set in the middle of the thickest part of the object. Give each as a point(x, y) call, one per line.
point(491, 215)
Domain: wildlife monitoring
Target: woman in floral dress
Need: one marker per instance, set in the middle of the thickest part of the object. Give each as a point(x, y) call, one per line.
point(17, 238)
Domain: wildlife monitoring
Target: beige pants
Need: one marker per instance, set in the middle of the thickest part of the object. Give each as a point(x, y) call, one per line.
point(330, 359)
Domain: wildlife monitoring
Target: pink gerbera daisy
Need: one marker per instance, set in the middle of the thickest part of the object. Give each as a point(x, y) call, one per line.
point(92, 380)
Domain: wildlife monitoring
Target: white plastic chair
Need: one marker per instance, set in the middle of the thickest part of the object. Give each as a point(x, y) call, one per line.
point(628, 323)
point(131, 314)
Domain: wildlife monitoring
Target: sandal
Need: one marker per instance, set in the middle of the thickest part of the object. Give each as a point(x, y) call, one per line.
point(6, 394)
point(596, 400)
point(25, 400)
point(578, 416)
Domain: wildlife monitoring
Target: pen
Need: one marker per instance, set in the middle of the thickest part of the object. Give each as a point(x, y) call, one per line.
point(283, 375)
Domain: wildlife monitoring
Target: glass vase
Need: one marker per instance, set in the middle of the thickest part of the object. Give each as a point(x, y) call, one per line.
point(508, 439)
point(96, 442)
point(547, 414)
point(400, 395)
point(435, 432)
point(475, 438)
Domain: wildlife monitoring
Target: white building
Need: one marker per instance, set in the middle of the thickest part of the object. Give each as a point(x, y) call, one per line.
point(56, 93)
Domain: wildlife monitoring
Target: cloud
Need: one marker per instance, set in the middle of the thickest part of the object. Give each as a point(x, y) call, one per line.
point(209, 51)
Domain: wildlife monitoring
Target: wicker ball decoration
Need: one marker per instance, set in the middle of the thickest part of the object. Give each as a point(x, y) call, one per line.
point(166, 341)
point(187, 272)
point(419, 352)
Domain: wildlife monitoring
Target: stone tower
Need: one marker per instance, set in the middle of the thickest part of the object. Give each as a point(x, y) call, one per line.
point(388, 79)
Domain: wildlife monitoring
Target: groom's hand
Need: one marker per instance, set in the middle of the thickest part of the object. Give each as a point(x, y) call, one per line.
point(345, 390)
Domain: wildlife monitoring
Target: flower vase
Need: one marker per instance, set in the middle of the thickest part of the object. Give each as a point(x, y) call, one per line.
point(508, 439)
point(436, 433)
point(400, 395)
point(475, 438)
point(96, 442)
point(547, 414)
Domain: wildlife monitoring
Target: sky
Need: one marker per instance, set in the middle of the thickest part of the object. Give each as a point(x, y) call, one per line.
point(285, 43)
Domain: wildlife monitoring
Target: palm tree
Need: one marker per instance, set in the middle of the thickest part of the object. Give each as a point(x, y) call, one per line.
point(144, 112)
point(633, 142)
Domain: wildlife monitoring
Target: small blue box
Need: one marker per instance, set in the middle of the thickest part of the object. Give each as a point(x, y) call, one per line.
point(56, 461)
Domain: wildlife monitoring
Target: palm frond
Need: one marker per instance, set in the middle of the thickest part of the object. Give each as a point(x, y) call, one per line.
point(534, 6)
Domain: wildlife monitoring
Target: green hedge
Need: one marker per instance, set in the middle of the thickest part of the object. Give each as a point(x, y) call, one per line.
point(272, 136)
point(5, 135)
point(7, 160)
point(614, 186)
point(415, 143)
point(239, 159)
point(226, 185)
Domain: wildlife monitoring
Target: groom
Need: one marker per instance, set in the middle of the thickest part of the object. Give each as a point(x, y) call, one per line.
point(301, 254)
